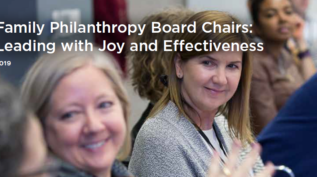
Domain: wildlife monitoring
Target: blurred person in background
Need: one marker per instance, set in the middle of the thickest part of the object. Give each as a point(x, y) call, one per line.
point(83, 108)
point(149, 69)
point(275, 74)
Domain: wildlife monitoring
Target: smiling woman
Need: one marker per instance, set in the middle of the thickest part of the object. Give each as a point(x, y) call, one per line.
point(84, 109)
point(209, 81)
point(204, 107)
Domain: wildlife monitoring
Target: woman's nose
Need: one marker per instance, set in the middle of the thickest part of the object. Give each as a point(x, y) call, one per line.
point(220, 77)
point(282, 17)
point(93, 123)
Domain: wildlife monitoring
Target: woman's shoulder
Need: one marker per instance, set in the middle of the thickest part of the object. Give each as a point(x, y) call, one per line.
point(263, 63)
point(168, 118)
point(167, 127)
point(155, 128)
point(260, 59)
point(259, 55)
point(158, 128)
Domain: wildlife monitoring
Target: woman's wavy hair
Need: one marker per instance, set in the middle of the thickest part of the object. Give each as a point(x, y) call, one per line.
point(149, 68)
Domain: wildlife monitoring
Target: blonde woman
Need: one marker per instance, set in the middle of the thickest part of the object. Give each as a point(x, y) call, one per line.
point(23, 150)
point(83, 107)
point(183, 131)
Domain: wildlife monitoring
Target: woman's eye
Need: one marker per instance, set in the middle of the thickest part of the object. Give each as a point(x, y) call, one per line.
point(269, 15)
point(68, 115)
point(105, 104)
point(233, 66)
point(289, 12)
point(207, 63)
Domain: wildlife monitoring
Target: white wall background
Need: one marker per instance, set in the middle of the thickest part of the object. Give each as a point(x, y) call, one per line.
point(312, 10)
point(234, 7)
point(138, 9)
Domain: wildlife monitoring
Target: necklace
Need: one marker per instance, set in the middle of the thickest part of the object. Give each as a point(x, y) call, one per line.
point(208, 141)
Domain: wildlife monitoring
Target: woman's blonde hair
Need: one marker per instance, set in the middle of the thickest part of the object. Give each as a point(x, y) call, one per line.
point(236, 110)
point(46, 73)
point(149, 66)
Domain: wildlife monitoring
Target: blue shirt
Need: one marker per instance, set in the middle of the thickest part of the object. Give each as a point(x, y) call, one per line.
point(291, 138)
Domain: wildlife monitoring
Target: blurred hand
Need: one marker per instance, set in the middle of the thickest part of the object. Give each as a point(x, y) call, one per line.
point(215, 170)
point(299, 23)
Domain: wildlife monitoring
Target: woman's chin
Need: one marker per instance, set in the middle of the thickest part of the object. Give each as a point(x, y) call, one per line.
point(99, 167)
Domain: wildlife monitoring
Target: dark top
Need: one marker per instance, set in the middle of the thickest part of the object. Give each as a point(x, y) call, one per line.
point(136, 129)
point(290, 139)
point(67, 170)
point(141, 121)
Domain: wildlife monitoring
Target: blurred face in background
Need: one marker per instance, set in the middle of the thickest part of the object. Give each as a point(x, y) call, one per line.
point(86, 125)
point(275, 20)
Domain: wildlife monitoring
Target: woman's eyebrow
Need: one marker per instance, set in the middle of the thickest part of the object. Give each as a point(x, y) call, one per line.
point(104, 96)
point(209, 57)
point(288, 7)
point(236, 62)
point(269, 9)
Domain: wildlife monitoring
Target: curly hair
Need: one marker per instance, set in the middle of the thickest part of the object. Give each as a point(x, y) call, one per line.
point(148, 66)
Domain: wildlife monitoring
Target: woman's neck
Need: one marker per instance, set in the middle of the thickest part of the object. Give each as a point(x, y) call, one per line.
point(203, 120)
point(274, 48)
point(106, 173)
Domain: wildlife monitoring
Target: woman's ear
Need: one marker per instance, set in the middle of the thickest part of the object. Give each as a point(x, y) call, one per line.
point(178, 66)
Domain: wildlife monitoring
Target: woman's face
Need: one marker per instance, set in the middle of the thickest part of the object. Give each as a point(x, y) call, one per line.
point(275, 20)
point(86, 125)
point(210, 80)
